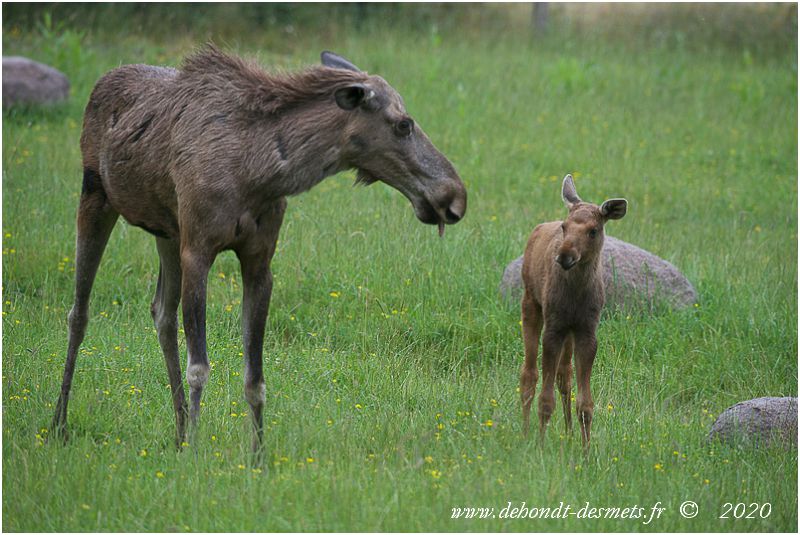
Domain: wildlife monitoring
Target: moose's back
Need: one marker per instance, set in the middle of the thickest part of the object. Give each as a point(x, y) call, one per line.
point(126, 144)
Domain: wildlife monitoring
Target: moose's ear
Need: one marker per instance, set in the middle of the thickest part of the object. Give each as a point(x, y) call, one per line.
point(568, 193)
point(352, 96)
point(335, 61)
point(614, 208)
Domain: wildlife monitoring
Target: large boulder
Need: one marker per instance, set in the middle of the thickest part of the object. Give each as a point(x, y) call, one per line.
point(759, 421)
point(631, 275)
point(28, 82)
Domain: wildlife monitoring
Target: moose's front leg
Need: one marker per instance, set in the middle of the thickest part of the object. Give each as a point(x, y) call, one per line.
point(255, 256)
point(585, 351)
point(552, 344)
point(194, 269)
point(257, 280)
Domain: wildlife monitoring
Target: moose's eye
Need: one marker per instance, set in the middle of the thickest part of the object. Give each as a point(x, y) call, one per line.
point(592, 232)
point(404, 127)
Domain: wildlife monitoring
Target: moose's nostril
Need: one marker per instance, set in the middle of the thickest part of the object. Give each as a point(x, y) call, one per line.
point(452, 216)
point(566, 261)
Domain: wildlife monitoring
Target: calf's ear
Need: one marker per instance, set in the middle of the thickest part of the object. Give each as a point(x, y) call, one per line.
point(614, 208)
point(568, 192)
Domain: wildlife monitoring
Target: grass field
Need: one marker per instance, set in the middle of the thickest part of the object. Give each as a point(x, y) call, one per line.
point(391, 363)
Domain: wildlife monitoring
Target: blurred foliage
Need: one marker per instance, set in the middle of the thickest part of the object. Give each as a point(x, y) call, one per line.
point(766, 28)
point(763, 29)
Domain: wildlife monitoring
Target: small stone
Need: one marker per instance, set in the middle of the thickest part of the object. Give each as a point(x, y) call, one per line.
point(760, 421)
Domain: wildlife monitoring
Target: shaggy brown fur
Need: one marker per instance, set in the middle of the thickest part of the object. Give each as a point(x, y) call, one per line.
point(256, 91)
point(563, 278)
point(203, 158)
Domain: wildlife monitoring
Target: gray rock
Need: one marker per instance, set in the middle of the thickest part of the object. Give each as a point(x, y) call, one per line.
point(758, 421)
point(511, 283)
point(28, 82)
point(632, 276)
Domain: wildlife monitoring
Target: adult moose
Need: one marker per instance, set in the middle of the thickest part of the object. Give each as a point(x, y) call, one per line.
point(203, 157)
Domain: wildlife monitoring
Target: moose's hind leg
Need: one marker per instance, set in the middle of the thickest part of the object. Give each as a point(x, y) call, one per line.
point(529, 374)
point(165, 316)
point(194, 283)
point(96, 219)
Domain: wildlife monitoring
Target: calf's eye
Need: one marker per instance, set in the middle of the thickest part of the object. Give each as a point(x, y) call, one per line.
point(592, 233)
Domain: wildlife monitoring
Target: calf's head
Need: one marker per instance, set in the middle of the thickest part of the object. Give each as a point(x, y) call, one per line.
point(385, 144)
point(583, 228)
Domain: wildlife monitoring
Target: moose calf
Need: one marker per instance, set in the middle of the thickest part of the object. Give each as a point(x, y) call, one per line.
point(563, 277)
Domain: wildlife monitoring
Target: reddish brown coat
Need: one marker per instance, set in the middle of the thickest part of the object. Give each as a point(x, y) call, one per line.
point(564, 295)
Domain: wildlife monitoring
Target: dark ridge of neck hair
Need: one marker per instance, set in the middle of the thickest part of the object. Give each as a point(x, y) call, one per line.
point(255, 90)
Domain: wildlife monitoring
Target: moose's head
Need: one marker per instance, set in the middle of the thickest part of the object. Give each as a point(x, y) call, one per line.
point(583, 233)
point(385, 144)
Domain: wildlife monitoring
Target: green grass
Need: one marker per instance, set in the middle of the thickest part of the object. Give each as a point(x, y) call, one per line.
point(391, 363)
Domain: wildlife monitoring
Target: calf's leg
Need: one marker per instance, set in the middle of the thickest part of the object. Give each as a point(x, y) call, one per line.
point(585, 351)
point(552, 344)
point(529, 374)
point(564, 381)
